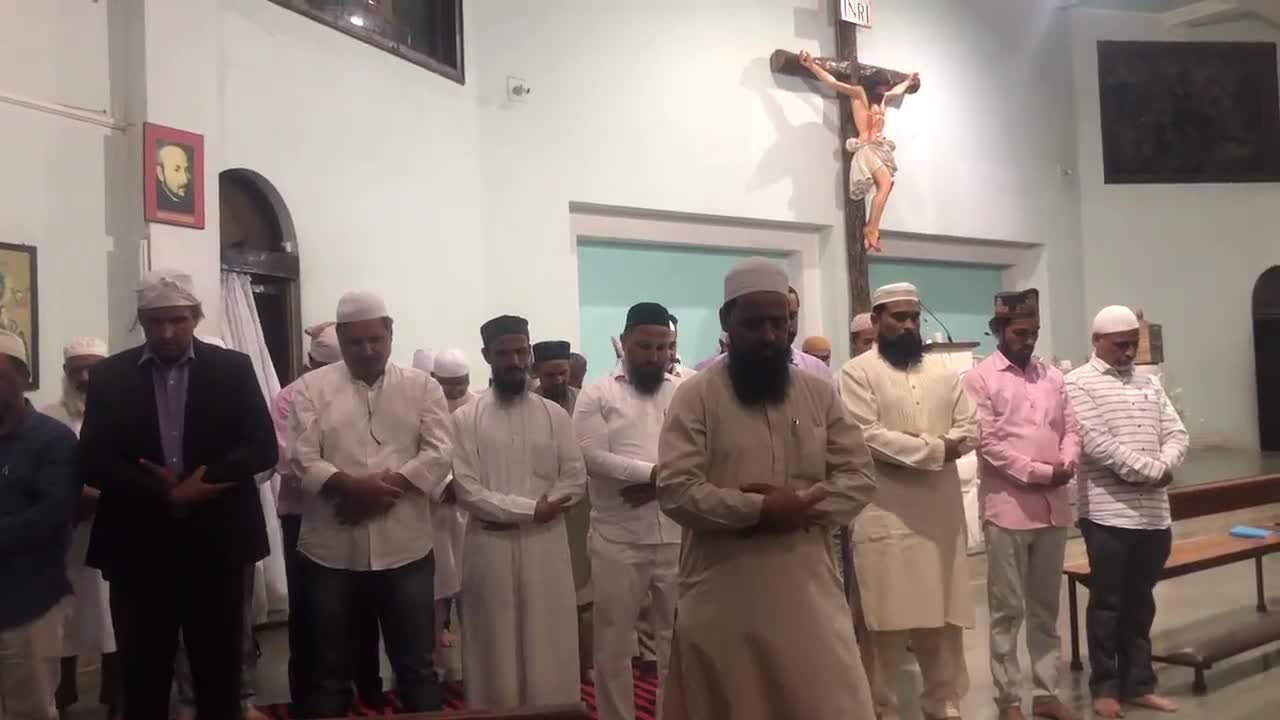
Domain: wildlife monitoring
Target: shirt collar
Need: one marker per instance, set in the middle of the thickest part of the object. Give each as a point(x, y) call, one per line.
point(148, 356)
point(1003, 364)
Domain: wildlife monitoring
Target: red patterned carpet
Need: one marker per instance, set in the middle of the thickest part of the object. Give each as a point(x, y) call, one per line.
point(646, 699)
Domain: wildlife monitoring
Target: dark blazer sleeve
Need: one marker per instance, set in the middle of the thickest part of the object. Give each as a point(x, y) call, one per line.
point(255, 449)
point(101, 462)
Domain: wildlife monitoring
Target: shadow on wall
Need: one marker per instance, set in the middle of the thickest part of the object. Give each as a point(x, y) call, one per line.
point(1266, 348)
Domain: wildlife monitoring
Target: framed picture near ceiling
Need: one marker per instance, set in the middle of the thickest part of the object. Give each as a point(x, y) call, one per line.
point(19, 306)
point(1189, 112)
point(173, 176)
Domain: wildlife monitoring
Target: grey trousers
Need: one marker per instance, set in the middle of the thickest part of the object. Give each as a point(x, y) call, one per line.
point(1024, 580)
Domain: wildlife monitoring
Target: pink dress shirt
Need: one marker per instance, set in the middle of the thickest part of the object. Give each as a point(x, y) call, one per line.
point(1026, 426)
point(289, 500)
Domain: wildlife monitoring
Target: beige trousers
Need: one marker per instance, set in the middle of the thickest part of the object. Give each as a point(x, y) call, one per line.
point(1024, 580)
point(940, 654)
point(29, 658)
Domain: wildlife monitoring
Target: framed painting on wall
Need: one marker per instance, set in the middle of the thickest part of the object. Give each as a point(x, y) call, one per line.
point(173, 176)
point(19, 301)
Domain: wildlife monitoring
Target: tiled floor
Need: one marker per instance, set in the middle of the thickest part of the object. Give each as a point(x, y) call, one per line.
point(1244, 688)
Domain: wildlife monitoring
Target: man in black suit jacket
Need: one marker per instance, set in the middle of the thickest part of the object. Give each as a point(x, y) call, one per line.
point(174, 432)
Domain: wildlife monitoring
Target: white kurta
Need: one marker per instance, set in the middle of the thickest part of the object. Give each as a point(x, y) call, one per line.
point(520, 645)
point(87, 629)
point(448, 525)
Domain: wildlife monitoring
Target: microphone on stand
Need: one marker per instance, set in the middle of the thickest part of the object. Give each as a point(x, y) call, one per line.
point(937, 320)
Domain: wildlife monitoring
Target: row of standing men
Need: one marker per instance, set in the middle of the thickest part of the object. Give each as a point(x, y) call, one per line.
point(743, 461)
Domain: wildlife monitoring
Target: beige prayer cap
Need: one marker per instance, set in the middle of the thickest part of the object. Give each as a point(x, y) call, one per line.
point(452, 363)
point(815, 344)
point(1114, 319)
point(323, 347)
point(861, 321)
point(755, 274)
point(14, 347)
point(166, 288)
point(359, 305)
point(894, 291)
point(85, 346)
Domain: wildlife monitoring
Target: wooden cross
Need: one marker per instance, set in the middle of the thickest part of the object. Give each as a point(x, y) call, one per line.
point(845, 68)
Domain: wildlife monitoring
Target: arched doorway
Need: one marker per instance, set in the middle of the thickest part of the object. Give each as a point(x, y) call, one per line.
point(258, 239)
point(1266, 348)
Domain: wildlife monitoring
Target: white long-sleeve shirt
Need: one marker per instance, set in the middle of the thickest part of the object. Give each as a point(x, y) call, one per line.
point(1130, 436)
point(508, 454)
point(618, 428)
point(400, 424)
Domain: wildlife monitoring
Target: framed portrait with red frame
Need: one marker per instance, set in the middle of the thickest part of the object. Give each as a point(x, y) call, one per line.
point(173, 176)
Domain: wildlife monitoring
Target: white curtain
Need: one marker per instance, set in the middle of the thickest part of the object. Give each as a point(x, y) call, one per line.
point(242, 330)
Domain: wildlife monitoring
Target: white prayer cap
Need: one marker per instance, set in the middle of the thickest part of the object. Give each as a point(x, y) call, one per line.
point(166, 288)
point(85, 346)
point(894, 291)
point(424, 359)
point(323, 347)
point(212, 340)
point(755, 274)
point(861, 321)
point(452, 363)
point(360, 305)
point(13, 346)
point(1114, 319)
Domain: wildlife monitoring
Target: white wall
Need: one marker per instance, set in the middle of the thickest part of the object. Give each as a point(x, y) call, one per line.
point(377, 161)
point(1187, 254)
point(53, 189)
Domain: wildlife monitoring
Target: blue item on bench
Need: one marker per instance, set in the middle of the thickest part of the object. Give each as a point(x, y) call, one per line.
point(1249, 532)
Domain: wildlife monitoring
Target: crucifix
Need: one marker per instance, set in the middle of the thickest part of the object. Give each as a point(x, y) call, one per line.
point(871, 168)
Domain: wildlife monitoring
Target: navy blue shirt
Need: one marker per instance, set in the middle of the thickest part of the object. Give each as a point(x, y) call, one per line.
point(39, 489)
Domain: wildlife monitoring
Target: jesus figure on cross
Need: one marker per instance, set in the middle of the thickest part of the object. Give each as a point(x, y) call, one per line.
point(873, 165)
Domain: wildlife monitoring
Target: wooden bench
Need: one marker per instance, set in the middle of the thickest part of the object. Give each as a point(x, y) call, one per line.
point(1186, 557)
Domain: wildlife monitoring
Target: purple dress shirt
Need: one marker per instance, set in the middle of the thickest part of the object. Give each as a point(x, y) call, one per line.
point(170, 382)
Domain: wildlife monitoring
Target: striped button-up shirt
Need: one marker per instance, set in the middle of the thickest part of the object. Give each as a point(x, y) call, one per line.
point(1131, 437)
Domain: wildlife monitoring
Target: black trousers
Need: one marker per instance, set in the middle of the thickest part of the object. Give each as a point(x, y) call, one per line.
point(149, 608)
point(368, 680)
point(1124, 566)
point(68, 692)
point(404, 608)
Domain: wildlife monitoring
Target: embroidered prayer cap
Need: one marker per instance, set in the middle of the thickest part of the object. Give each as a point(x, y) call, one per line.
point(452, 363)
point(754, 274)
point(1114, 319)
point(424, 359)
point(1018, 304)
point(503, 325)
point(860, 322)
point(14, 347)
point(551, 350)
point(894, 291)
point(359, 305)
point(85, 346)
point(323, 347)
point(166, 288)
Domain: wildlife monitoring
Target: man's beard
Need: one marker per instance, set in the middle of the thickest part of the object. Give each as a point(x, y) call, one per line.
point(760, 377)
point(902, 351)
point(647, 379)
point(508, 387)
point(555, 393)
point(72, 399)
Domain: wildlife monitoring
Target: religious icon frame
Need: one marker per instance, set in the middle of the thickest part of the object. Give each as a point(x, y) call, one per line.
point(160, 205)
point(24, 302)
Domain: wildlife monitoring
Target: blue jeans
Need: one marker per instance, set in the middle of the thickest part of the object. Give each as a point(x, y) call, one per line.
point(404, 603)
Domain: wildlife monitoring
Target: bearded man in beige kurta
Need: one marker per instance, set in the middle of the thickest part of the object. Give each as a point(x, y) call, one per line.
point(757, 463)
point(909, 546)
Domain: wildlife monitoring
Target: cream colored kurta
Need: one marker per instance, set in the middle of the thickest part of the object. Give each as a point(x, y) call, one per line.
point(520, 645)
point(763, 631)
point(909, 546)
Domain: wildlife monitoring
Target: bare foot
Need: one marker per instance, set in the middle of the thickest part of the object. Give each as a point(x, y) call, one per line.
point(1053, 709)
point(447, 639)
point(1151, 701)
point(871, 239)
point(1107, 708)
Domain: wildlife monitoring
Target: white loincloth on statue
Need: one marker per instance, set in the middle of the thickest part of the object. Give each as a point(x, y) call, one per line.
point(867, 159)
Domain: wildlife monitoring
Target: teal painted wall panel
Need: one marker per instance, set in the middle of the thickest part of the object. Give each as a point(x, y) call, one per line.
point(961, 295)
point(614, 276)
